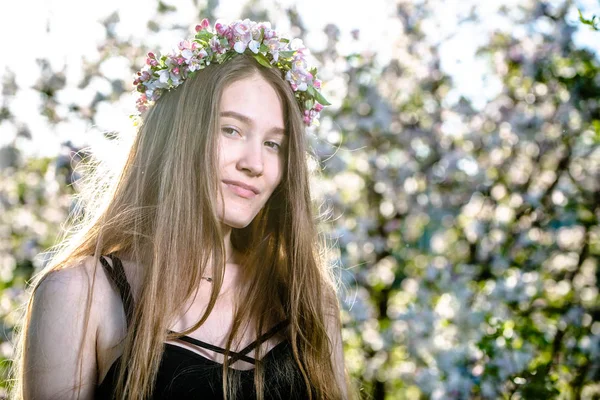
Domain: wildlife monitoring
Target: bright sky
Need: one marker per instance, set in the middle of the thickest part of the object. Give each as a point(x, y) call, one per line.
point(74, 31)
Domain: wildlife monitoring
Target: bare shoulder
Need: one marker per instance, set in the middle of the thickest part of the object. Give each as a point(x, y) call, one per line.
point(58, 330)
point(72, 284)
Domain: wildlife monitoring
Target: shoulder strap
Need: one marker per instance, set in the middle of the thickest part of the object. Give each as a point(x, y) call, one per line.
point(118, 278)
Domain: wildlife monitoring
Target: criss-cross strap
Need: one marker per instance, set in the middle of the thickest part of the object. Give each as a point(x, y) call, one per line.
point(238, 355)
point(212, 347)
point(263, 338)
point(116, 273)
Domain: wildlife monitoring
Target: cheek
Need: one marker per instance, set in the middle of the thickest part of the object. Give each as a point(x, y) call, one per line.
point(278, 171)
point(225, 154)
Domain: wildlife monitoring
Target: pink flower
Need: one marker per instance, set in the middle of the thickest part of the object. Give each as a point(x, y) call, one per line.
point(141, 103)
point(215, 45)
point(220, 28)
point(317, 84)
point(204, 24)
point(318, 107)
point(151, 60)
point(241, 28)
point(306, 117)
point(184, 44)
point(241, 32)
point(274, 46)
point(268, 33)
point(144, 76)
point(187, 45)
point(176, 71)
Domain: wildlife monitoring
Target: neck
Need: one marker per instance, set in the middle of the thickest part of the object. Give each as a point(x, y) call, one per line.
point(231, 260)
point(229, 251)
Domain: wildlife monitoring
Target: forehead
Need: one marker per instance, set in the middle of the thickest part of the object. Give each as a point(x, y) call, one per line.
point(255, 98)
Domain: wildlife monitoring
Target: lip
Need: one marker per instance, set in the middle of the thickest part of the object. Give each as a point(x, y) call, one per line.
point(241, 189)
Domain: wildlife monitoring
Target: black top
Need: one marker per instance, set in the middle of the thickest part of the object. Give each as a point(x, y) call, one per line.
point(184, 374)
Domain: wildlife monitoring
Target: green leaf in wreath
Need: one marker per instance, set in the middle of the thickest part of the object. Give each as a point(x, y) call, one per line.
point(287, 53)
point(204, 35)
point(262, 60)
point(317, 96)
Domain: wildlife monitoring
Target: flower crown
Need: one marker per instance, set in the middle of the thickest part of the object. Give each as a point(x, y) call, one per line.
point(168, 71)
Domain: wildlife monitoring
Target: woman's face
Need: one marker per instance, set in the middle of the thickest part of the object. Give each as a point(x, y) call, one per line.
point(251, 149)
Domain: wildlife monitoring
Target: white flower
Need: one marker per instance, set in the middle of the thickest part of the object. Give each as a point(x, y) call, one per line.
point(296, 44)
point(187, 54)
point(274, 46)
point(254, 46)
point(175, 79)
point(240, 47)
point(194, 65)
point(163, 78)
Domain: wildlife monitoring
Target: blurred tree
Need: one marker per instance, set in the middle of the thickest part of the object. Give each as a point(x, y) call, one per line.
point(474, 233)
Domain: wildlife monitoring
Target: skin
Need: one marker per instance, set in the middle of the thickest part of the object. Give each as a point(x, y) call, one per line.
point(251, 149)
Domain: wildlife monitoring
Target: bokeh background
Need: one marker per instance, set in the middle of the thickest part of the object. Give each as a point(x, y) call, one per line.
point(460, 165)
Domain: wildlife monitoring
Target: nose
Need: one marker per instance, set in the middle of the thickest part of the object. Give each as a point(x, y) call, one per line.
point(251, 159)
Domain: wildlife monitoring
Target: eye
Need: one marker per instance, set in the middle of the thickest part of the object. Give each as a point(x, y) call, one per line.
point(273, 145)
point(229, 131)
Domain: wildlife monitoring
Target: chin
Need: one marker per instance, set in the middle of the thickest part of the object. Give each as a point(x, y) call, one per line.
point(236, 224)
point(237, 221)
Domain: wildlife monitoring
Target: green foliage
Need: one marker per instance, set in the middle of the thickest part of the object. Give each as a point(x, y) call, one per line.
point(593, 22)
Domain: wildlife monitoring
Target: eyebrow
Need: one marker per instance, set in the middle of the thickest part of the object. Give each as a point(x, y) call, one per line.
point(248, 121)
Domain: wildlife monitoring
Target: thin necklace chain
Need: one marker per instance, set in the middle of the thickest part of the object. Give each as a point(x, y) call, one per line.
point(209, 279)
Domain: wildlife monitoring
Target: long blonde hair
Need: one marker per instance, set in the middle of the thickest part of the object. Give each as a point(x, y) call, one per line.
point(162, 204)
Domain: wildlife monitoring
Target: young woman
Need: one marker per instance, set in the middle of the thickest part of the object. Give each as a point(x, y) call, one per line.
point(196, 272)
